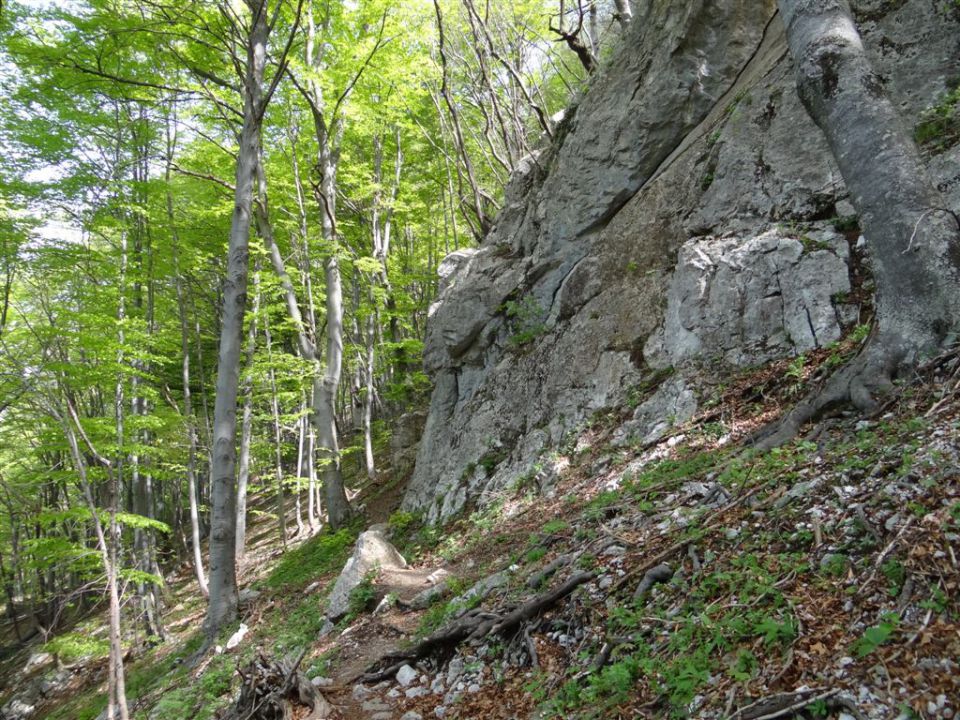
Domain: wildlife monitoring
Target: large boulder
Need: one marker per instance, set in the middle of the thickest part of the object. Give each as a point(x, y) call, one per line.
point(372, 553)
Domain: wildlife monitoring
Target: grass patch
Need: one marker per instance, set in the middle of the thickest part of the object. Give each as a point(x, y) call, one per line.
point(320, 555)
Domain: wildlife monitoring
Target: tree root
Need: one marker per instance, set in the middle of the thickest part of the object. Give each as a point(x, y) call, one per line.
point(858, 383)
point(473, 626)
point(270, 690)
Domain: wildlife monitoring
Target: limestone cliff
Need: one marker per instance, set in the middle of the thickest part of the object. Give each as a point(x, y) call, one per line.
point(687, 217)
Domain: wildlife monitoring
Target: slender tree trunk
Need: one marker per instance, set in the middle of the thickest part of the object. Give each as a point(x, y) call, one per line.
point(316, 502)
point(329, 137)
point(141, 480)
point(479, 209)
point(222, 608)
point(117, 697)
point(246, 422)
point(188, 416)
point(325, 395)
point(11, 599)
point(914, 241)
point(277, 439)
point(368, 402)
point(301, 448)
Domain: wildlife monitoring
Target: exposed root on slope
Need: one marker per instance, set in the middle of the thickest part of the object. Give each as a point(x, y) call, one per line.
point(473, 626)
point(860, 383)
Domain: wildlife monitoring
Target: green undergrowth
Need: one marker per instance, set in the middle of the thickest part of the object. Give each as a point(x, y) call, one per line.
point(728, 618)
point(320, 555)
point(733, 615)
point(722, 623)
point(160, 684)
point(939, 126)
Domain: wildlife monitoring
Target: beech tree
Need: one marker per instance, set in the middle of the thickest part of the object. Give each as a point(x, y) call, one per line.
point(257, 27)
point(913, 241)
point(127, 194)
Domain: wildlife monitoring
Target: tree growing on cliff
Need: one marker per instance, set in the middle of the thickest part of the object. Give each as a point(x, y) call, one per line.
point(913, 240)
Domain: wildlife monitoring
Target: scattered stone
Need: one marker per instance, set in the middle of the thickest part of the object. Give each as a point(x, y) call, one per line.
point(237, 637)
point(425, 598)
point(416, 692)
point(406, 675)
point(36, 661)
point(248, 595)
point(481, 589)
point(360, 692)
point(321, 681)
point(385, 604)
point(411, 715)
point(374, 705)
point(454, 669)
point(473, 688)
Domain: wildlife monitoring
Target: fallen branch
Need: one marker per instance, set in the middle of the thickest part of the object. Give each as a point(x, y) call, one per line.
point(270, 690)
point(472, 627)
point(779, 705)
point(660, 574)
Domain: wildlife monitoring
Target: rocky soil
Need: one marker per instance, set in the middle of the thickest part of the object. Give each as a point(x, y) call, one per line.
point(820, 580)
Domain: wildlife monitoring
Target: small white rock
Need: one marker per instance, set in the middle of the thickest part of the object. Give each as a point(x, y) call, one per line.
point(406, 675)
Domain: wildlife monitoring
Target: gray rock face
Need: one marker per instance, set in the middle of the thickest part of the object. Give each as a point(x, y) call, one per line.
point(680, 218)
point(673, 402)
point(372, 552)
point(749, 300)
point(404, 442)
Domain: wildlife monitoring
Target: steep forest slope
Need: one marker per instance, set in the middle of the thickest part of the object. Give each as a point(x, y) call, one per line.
point(688, 219)
point(584, 532)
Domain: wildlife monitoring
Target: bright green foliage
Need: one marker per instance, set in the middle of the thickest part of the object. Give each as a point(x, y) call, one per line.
point(526, 320)
point(120, 131)
point(876, 635)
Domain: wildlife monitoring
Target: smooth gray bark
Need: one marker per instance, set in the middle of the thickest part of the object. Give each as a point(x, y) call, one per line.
point(914, 242)
point(189, 419)
point(222, 608)
point(277, 438)
point(329, 137)
point(246, 422)
point(624, 12)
